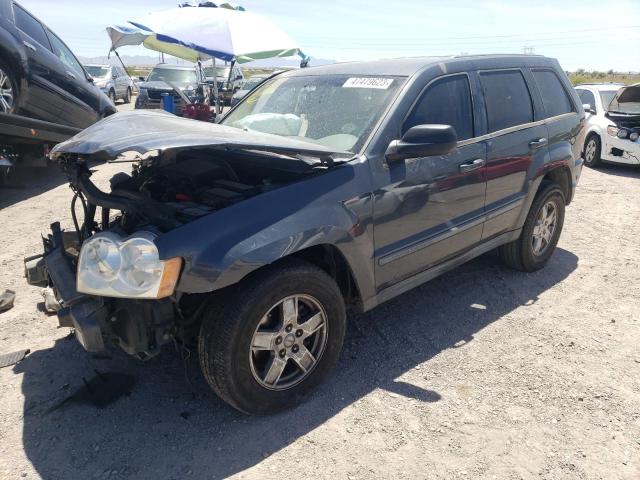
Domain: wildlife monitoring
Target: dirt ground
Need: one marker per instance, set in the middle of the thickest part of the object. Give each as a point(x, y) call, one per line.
point(482, 373)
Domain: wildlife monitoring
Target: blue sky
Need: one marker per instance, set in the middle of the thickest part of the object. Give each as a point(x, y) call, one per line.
point(581, 34)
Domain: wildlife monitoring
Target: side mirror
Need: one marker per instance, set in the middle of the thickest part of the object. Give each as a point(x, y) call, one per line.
point(239, 77)
point(588, 108)
point(141, 79)
point(114, 76)
point(90, 79)
point(423, 141)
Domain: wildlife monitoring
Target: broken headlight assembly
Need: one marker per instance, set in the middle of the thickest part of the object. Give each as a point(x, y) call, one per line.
point(111, 266)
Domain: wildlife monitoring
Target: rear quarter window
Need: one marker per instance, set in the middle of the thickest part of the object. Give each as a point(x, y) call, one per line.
point(507, 99)
point(555, 99)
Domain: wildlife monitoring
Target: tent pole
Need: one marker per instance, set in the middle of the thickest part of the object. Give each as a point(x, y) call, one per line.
point(215, 86)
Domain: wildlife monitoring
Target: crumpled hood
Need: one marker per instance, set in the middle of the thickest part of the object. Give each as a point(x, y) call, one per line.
point(143, 131)
point(627, 100)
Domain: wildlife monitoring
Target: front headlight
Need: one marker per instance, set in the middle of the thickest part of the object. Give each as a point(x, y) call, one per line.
point(633, 136)
point(110, 266)
point(142, 92)
point(623, 133)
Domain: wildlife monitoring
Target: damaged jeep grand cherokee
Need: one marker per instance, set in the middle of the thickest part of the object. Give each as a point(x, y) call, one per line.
point(327, 187)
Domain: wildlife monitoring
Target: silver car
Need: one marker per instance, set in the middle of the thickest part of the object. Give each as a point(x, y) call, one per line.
point(112, 80)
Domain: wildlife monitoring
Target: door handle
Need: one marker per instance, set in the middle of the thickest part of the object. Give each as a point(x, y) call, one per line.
point(30, 46)
point(540, 142)
point(474, 165)
point(71, 74)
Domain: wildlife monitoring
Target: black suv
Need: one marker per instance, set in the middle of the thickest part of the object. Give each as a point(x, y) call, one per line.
point(40, 77)
point(342, 185)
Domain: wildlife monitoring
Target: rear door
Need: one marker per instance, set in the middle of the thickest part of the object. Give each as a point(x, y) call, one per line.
point(432, 207)
point(516, 138)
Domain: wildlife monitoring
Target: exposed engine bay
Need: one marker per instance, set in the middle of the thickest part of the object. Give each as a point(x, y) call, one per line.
point(172, 188)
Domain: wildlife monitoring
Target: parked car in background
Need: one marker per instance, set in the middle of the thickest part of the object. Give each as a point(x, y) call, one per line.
point(249, 85)
point(613, 123)
point(112, 80)
point(185, 78)
point(347, 184)
point(227, 86)
point(40, 77)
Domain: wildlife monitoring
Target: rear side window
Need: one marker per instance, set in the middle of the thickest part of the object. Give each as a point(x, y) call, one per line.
point(447, 101)
point(31, 26)
point(587, 97)
point(507, 99)
point(554, 97)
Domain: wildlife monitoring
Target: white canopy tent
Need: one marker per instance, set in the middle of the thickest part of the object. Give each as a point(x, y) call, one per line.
point(203, 33)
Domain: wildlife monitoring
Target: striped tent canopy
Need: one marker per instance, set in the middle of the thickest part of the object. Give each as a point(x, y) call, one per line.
point(202, 33)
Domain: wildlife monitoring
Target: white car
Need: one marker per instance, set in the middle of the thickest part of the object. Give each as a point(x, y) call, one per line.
point(613, 123)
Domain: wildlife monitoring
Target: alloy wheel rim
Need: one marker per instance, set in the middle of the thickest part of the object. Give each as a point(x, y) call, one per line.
point(6, 93)
point(288, 342)
point(544, 228)
point(590, 150)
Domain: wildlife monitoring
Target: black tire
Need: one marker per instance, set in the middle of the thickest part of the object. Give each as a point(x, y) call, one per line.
point(592, 150)
point(227, 331)
point(519, 254)
point(112, 96)
point(11, 80)
point(127, 96)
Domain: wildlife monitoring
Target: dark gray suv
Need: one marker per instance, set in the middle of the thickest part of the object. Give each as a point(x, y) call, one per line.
point(343, 185)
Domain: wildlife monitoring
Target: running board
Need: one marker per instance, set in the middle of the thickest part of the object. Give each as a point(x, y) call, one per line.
point(412, 282)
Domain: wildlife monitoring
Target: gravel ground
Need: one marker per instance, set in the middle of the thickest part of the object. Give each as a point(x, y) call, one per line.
point(481, 373)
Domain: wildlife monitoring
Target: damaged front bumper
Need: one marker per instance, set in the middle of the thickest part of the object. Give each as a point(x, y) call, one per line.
point(139, 327)
point(84, 313)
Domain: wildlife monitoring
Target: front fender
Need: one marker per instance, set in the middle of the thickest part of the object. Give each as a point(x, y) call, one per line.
point(333, 208)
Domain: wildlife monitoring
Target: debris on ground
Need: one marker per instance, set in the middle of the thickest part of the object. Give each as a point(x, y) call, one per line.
point(12, 358)
point(6, 300)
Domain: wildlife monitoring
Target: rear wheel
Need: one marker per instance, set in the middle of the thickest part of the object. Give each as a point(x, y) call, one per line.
point(112, 95)
point(592, 151)
point(127, 97)
point(540, 233)
point(8, 90)
point(274, 338)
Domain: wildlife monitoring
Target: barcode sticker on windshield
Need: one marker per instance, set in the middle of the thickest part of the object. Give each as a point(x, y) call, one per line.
point(368, 82)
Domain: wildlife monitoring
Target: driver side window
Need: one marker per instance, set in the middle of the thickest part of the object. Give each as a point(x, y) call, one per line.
point(446, 101)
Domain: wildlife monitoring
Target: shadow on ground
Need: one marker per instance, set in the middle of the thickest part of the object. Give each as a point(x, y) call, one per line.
point(25, 182)
point(627, 171)
point(167, 429)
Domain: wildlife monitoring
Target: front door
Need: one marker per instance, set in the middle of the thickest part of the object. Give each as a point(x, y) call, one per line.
point(45, 95)
point(81, 107)
point(432, 208)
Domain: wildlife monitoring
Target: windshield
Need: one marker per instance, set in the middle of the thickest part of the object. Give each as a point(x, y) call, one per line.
point(222, 71)
point(172, 75)
point(606, 96)
point(337, 111)
point(97, 72)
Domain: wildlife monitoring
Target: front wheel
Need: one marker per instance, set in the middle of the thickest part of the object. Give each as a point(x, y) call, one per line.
point(274, 338)
point(112, 96)
point(592, 151)
point(540, 233)
point(127, 96)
